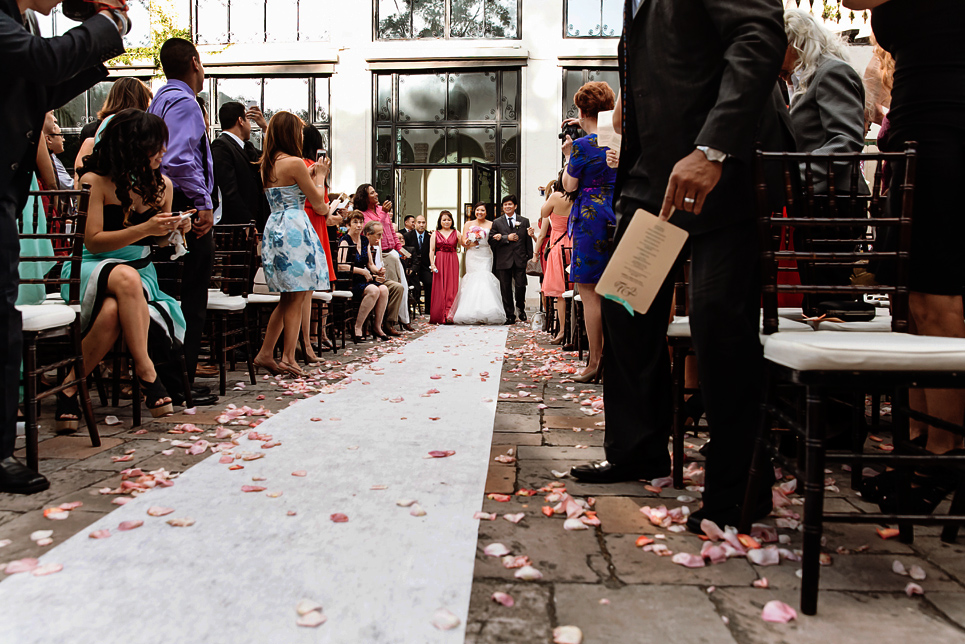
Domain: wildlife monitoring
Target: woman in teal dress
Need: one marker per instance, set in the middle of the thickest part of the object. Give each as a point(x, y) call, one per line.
point(588, 174)
point(129, 211)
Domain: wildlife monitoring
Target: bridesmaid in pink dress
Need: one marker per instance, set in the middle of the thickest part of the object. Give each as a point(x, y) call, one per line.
point(557, 209)
point(445, 265)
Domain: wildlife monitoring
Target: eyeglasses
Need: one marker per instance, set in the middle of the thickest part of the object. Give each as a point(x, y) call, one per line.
point(54, 136)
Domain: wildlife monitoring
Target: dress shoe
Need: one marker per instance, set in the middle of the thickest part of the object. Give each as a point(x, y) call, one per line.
point(198, 400)
point(16, 478)
point(522, 316)
point(407, 327)
point(200, 390)
point(607, 472)
point(510, 321)
point(207, 370)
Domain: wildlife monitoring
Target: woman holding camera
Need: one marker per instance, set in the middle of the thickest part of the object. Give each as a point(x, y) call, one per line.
point(588, 175)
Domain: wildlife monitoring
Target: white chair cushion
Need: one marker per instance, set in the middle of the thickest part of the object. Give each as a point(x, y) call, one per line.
point(567, 294)
point(680, 327)
point(791, 313)
point(578, 298)
point(880, 324)
point(263, 298)
point(342, 294)
point(53, 298)
point(836, 351)
point(226, 303)
point(40, 317)
point(324, 296)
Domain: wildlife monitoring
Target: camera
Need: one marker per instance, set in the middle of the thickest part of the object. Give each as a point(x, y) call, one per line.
point(79, 10)
point(573, 131)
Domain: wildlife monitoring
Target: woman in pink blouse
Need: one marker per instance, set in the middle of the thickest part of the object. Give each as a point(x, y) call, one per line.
point(366, 201)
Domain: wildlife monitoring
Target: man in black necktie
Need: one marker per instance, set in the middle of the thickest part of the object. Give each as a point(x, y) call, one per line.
point(418, 240)
point(512, 248)
point(236, 171)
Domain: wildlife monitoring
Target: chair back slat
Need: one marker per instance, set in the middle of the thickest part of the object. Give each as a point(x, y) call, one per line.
point(234, 258)
point(834, 230)
point(63, 228)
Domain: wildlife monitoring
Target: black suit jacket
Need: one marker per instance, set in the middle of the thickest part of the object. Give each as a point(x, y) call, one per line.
point(420, 257)
point(38, 75)
point(700, 72)
point(507, 254)
point(236, 173)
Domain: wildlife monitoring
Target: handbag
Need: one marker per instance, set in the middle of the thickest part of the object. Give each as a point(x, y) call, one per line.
point(534, 268)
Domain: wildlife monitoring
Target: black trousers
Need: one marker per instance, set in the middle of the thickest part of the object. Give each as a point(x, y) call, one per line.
point(198, 265)
point(510, 280)
point(11, 329)
point(724, 322)
point(421, 279)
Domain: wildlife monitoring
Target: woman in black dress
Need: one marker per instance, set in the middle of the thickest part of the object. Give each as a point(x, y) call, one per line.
point(354, 257)
point(928, 106)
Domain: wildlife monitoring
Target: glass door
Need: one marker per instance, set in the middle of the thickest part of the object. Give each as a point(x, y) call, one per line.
point(485, 188)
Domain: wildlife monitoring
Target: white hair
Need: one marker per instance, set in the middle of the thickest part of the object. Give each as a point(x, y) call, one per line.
point(812, 41)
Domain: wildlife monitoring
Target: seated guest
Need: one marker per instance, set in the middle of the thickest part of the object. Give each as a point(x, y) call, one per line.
point(373, 232)
point(236, 172)
point(354, 258)
point(55, 146)
point(129, 211)
point(366, 201)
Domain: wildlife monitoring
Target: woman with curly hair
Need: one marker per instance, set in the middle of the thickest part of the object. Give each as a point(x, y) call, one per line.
point(129, 211)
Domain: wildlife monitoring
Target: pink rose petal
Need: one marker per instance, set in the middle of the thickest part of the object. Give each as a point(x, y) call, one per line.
point(183, 522)
point(21, 565)
point(299, 473)
point(688, 560)
point(441, 453)
point(444, 620)
point(100, 534)
point(130, 525)
point(496, 550)
point(778, 612)
point(253, 488)
point(514, 518)
point(913, 589)
point(338, 517)
point(159, 511)
point(47, 569)
point(504, 599)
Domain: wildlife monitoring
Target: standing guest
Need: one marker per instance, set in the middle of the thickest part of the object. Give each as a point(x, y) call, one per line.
point(512, 248)
point(55, 145)
point(928, 107)
point(291, 252)
point(130, 210)
point(190, 167)
point(354, 258)
point(444, 263)
point(556, 209)
point(588, 174)
point(418, 240)
point(366, 201)
point(236, 161)
point(38, 74)
point(373, 233)
point(408, 223)
point(125, 93)
point(690, 147)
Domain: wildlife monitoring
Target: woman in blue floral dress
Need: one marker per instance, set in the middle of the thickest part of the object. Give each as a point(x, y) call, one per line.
point(291, 252)
point(587, 172)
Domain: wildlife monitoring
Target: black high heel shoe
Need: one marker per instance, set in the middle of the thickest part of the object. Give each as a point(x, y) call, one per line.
point(357, 338)
point(381, 336)
point(67, 406)
point(154, 392)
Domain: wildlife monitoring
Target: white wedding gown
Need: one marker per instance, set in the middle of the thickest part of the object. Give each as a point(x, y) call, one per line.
point(479, 300)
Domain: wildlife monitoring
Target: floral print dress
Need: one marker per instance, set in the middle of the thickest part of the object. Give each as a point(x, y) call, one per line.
point(592, 210)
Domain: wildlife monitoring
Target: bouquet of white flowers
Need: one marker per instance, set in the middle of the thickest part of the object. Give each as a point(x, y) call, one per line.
point(475, 234)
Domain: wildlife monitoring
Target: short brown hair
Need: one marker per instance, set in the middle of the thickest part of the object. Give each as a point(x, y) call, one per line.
point(126, 93)
point(352, 216)
point(594, 97)
point(284, 136)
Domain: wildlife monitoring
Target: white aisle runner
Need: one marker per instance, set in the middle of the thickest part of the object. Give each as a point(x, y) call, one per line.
point(236, 575)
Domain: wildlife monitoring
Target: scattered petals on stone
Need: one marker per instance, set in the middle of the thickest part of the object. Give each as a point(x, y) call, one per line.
point(183, 522)
point(122, 459)
point(299, 473)
point(100, 534)
point(338, 517)
point(764, 557)
point(485, 516)
point(887, 533)
point(253, 488)
point(444, 620)
point(574, 524)
point(56, 514)
point(159, 511)
point(405, 503)
point(643, 541)
point(417, 510)
point(130, 525)
point(528, 573)
point(917, 573)
point(512, 563)
point(112, 420)
point(899, 568)
point(306, 606)
point(760, 583)
point(505, 458)
point(501, 498)
point(47, 569)
point(496, 550)
point(514, 518)
point(312, 619)
point(38, 535)
point(778, 612)
point(567, 635)
point(504, 599)
point(688, 560)
point(441, 453)
point(913, 589)
point(21, 565)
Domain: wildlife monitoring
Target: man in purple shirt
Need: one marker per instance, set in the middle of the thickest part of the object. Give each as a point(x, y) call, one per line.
point(189, 165)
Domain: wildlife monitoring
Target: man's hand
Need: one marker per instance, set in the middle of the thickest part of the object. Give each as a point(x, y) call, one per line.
point(254, 114)
point(513, 237)
point(691, 181)
point(497, 237)
point(120, 6)
point(204, 222)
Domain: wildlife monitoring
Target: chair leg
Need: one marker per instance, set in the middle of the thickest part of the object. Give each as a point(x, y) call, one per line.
point(857, 440)
point(95, 438)
point(135, 398)
point(218, 340)
point(116, 375)
point(677, 387)
point(31, 406)
point(245, 335)
point(900, 436)
point(99, 383)
point(950, 531)
point(185, 380)
point(759, 461)
point(813, 499)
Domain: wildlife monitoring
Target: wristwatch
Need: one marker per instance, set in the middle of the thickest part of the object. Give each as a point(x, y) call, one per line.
point(714, 156)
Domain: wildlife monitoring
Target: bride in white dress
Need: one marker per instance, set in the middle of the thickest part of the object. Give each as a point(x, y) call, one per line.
point(479, 300)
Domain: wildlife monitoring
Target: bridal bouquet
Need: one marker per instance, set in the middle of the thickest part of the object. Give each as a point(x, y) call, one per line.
point(475, 234)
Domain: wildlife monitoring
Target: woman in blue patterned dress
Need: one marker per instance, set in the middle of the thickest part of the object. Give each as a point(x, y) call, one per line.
point(291, 252)
point(588, 173)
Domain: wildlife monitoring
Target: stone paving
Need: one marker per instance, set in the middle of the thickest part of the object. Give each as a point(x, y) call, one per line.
point(596, 579)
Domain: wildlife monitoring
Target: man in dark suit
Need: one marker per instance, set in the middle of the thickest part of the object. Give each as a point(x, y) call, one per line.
point(418, 241)
point(512, 248)
point(698, 93)
point(236, 170)
point(37, 76)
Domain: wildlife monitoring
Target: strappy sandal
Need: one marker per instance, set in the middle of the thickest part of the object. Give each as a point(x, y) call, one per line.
point(67, 406)
point(153, 393)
